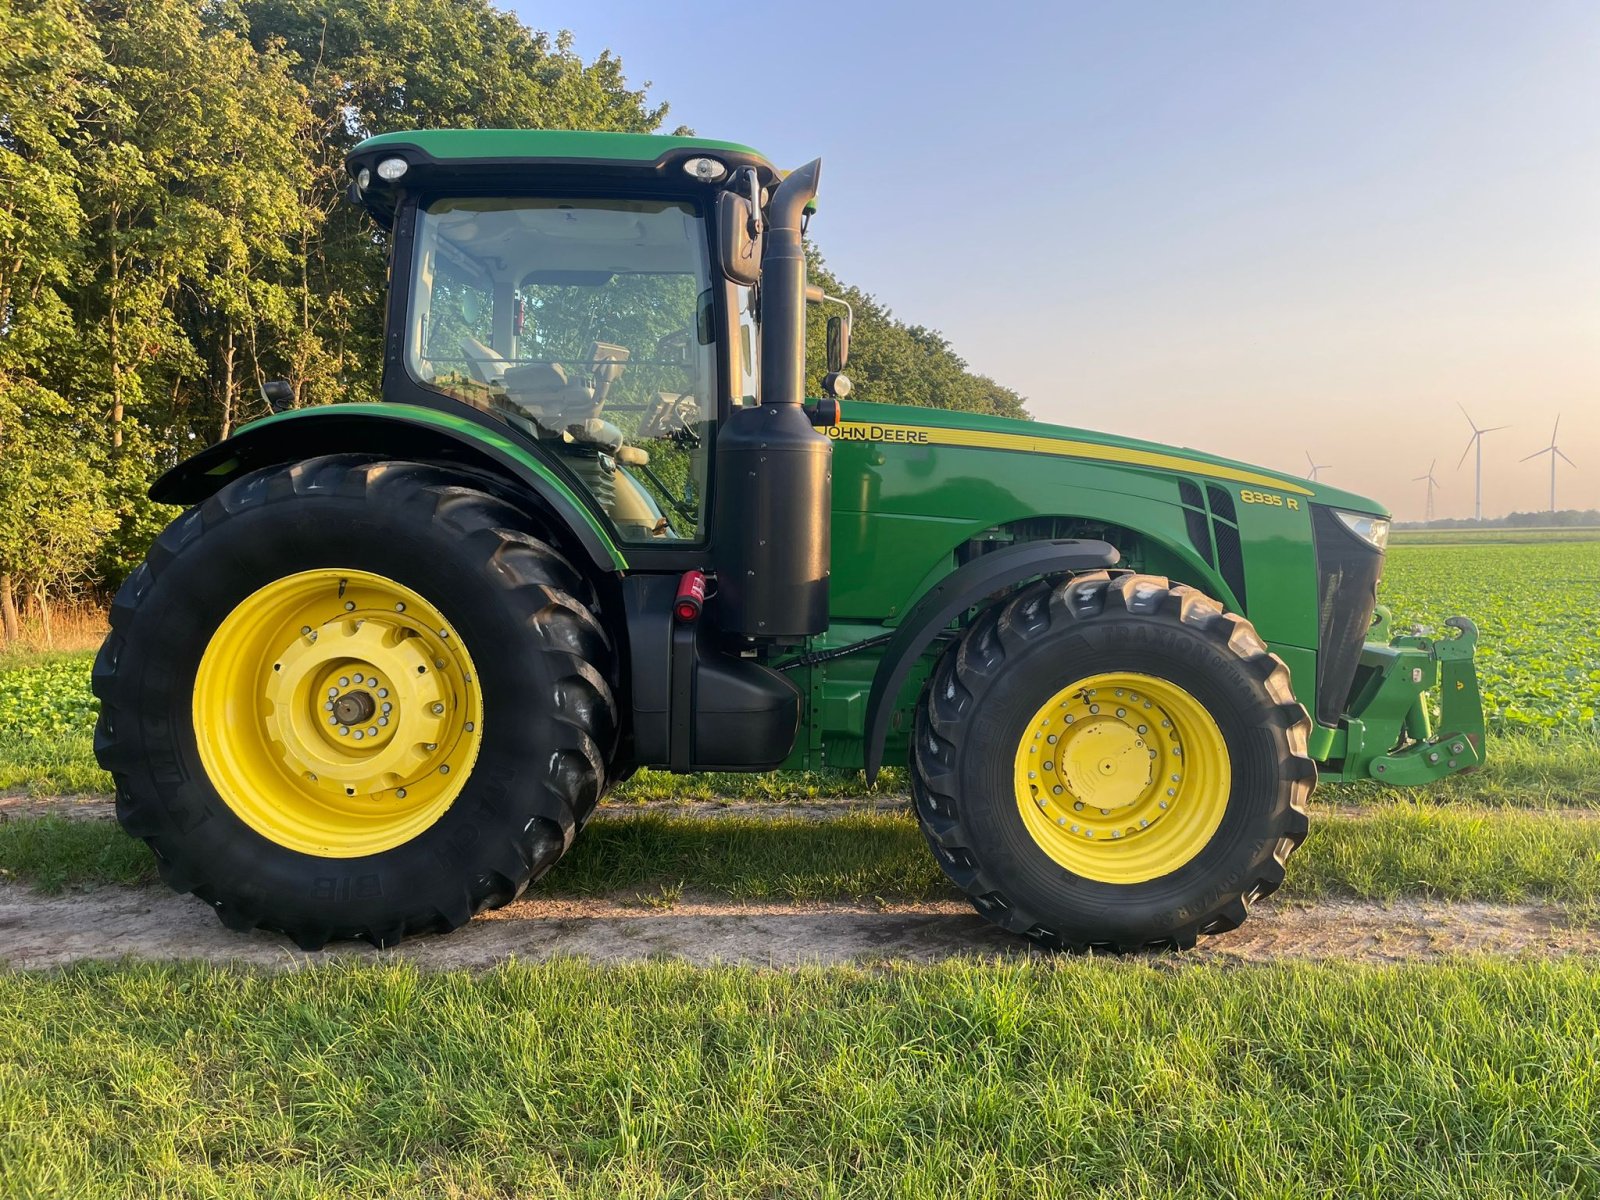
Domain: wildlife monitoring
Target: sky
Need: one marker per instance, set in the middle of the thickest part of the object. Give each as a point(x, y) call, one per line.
point(1264, 229)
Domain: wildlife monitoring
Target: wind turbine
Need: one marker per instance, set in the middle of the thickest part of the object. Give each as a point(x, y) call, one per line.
point(1476, 440)
point(1315, 466)
point(1552, 450)
point(1432, 483)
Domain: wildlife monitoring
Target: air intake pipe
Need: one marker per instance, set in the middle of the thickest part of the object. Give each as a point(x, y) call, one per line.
point(774, 484)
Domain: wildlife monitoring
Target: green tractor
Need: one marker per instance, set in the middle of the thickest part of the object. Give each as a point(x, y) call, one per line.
point(377, 675)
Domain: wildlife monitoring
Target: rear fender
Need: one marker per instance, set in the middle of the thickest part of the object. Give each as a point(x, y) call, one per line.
point(402, 431)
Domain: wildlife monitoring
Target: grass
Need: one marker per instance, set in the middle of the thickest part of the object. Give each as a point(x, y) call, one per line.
point(1525, 770)
point(1079, 1078)
point(1446, 853)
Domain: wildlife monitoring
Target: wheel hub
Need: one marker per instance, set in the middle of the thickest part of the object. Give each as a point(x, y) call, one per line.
point(1107, 778)
point(353, 708)
point(337, 712)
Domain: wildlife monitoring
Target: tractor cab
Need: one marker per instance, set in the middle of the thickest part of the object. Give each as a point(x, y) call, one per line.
point(599, 297)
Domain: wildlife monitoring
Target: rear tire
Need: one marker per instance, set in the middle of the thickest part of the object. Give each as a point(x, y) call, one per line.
point(541, 667)
point(1002, 828)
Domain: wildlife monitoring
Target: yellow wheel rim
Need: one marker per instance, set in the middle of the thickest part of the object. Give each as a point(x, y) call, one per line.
point(337, 713)
point(1122, 777)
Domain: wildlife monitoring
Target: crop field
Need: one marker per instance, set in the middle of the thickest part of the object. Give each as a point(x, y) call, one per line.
point(1536, 604)
point(1537, 608)
point(1485, 537)
point(1444, 1041)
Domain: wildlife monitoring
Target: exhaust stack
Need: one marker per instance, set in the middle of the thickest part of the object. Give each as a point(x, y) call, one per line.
point(774, 471)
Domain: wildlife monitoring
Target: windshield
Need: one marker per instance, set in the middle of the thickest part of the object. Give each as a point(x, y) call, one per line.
point(587, 324)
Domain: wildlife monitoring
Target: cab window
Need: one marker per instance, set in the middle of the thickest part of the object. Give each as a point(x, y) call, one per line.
point(587, 324)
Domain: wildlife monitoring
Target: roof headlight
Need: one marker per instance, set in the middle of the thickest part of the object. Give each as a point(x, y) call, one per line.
point(706, 170)
point(364, 179)
point(391, 169)
point(1370, 529)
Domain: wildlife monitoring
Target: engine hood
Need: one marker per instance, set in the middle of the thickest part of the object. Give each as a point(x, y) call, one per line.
point(898, 424)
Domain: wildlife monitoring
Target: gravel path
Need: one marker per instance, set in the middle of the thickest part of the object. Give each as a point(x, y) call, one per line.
point(146, 923)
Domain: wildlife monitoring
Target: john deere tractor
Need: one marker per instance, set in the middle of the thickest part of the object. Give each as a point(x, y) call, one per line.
point(377, 675)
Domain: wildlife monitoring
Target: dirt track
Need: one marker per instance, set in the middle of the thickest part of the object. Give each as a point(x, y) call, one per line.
point(38, 931)
point(147, 923)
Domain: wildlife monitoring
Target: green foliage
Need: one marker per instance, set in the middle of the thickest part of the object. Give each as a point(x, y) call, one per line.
point(48, 700)
point(1539, 655)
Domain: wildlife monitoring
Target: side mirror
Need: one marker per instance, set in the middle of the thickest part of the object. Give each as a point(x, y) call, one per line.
point(740, 247)
point(279, 394)
point(838, 343)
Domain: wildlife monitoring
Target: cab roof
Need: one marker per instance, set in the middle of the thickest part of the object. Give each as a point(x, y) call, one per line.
point(437, 157)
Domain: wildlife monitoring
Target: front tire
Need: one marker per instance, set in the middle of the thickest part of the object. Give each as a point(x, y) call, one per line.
point(355, 699)
point(1111, 762)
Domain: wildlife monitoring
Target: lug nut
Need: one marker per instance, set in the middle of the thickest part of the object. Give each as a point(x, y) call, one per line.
point(349, 606)
point(344, 681)
point(383, 720)
point(469, 727)
point(400, 608)
point(372, 731)
point(344, 731)
point(333, 692)
point(400, 793)
point(445, 770)
point(438, 709)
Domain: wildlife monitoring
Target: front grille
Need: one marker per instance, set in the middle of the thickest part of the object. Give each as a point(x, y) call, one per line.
point(1348, 571)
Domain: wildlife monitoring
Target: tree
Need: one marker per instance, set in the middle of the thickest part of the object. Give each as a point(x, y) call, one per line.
point(50, 80)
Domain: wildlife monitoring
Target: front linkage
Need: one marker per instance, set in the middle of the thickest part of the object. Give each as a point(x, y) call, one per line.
point(1388, 731)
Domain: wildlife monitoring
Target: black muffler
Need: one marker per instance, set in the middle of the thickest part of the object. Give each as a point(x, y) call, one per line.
point(774, 470)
